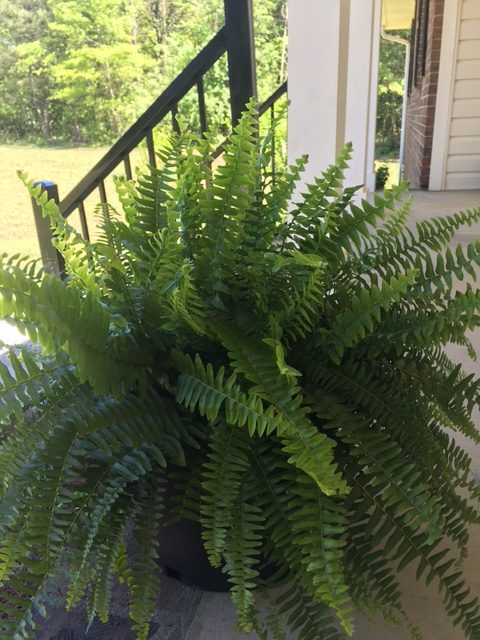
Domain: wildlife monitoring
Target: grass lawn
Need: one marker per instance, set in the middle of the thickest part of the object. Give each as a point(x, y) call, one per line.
point(63, 166)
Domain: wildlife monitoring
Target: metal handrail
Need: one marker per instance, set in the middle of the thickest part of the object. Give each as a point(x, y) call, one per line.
point(267, 104)
point(142, 128)
point(236, 40)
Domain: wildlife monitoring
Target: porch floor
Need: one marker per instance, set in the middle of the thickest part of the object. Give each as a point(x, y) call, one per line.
point(186, 614)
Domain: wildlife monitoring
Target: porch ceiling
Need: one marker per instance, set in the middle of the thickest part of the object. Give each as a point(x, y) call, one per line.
point(397, 14)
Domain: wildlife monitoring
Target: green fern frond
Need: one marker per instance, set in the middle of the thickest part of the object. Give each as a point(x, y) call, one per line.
point(316, 202)
point(224, 208)
point(439, 277)
point(444, 323)
point(42, 532)
point(152, 422)
point(308, 449)
point(131, 467)
point(453, 394)
point(380, 457)
point(304, 303)
point(200, 388)
point(106, 561)
point(307, 618)
point(188, 489)
point(280, 364)
point(185, 301)
point(365, 313)
point(319, 524)
point(352, 226)
point(226, 464)
point(374, 586)
point(404, 248)
point(143, 577)
point(80, 263)
point(402, 545)
point(154, 191)
point(277, 202)
point(418, 436)
point(32, 267)
point(27, 380)
point(79, 324)
point(242, 550)
point(31, 432)
point(303, 611)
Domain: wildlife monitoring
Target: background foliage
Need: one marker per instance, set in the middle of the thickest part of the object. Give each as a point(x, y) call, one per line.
point(390, 96)
point(81, 72)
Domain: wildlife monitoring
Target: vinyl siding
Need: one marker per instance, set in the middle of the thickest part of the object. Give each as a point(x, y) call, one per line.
point(463, 161)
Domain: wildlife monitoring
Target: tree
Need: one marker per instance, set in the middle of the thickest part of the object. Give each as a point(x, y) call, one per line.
point(83, 71)
point(391, 74)
point(26, 84)
point(99, 68)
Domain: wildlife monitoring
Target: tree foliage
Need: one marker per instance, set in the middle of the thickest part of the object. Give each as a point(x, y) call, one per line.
point(391, 76)
point(82, 72)
point(288, 359)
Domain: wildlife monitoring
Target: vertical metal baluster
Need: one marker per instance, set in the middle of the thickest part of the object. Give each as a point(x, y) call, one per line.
point(174, 113)
point(272, 121)
point(151, 149)
point(103, 197)
point(53, 261)
point(83, 221)
point(103, 192)
point(201, 105)
point(128, 167)
point(240, 45)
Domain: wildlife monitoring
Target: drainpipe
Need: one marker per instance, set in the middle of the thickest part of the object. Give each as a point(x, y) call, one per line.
point(406, 43)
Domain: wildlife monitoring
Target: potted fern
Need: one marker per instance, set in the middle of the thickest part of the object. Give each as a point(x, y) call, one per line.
point(278, 369)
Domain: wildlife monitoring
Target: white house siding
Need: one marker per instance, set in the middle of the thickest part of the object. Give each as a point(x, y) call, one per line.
point(463, 159)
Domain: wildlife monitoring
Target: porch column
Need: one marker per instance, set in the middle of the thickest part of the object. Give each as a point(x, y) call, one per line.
point(361, 112)
point(332, 82)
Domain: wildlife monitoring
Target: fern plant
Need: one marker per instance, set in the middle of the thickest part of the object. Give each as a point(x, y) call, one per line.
point(282, 365)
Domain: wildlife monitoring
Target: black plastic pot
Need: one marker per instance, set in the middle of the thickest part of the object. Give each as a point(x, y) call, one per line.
point(182, 556)
point(181, 553)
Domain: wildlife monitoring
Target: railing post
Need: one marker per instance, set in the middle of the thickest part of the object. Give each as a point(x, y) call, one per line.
point(241, 54)
point(52, 261)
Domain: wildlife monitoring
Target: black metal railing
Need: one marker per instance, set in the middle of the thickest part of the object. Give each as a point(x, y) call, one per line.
point(236, 40)
point(142, 129)
point(267, 106)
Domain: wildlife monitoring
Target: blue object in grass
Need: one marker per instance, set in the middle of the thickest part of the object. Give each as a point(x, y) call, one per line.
point(44, 183)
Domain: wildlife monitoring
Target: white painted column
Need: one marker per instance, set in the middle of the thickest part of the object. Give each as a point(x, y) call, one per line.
point(361, 112)
point(317, 80)
point(332, 82)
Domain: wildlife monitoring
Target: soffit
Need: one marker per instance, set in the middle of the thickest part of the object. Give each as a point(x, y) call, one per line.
point(397, 14)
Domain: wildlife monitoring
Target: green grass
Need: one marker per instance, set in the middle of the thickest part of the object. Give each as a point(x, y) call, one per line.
point(63, 166)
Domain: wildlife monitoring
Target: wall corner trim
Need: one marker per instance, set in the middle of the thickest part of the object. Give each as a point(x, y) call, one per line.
point(446, 85)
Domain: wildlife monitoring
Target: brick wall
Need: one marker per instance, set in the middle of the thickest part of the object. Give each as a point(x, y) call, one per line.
point(423, 94)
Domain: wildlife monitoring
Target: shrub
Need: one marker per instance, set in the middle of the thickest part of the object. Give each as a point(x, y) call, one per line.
point(381, 176)
point(289, 358)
